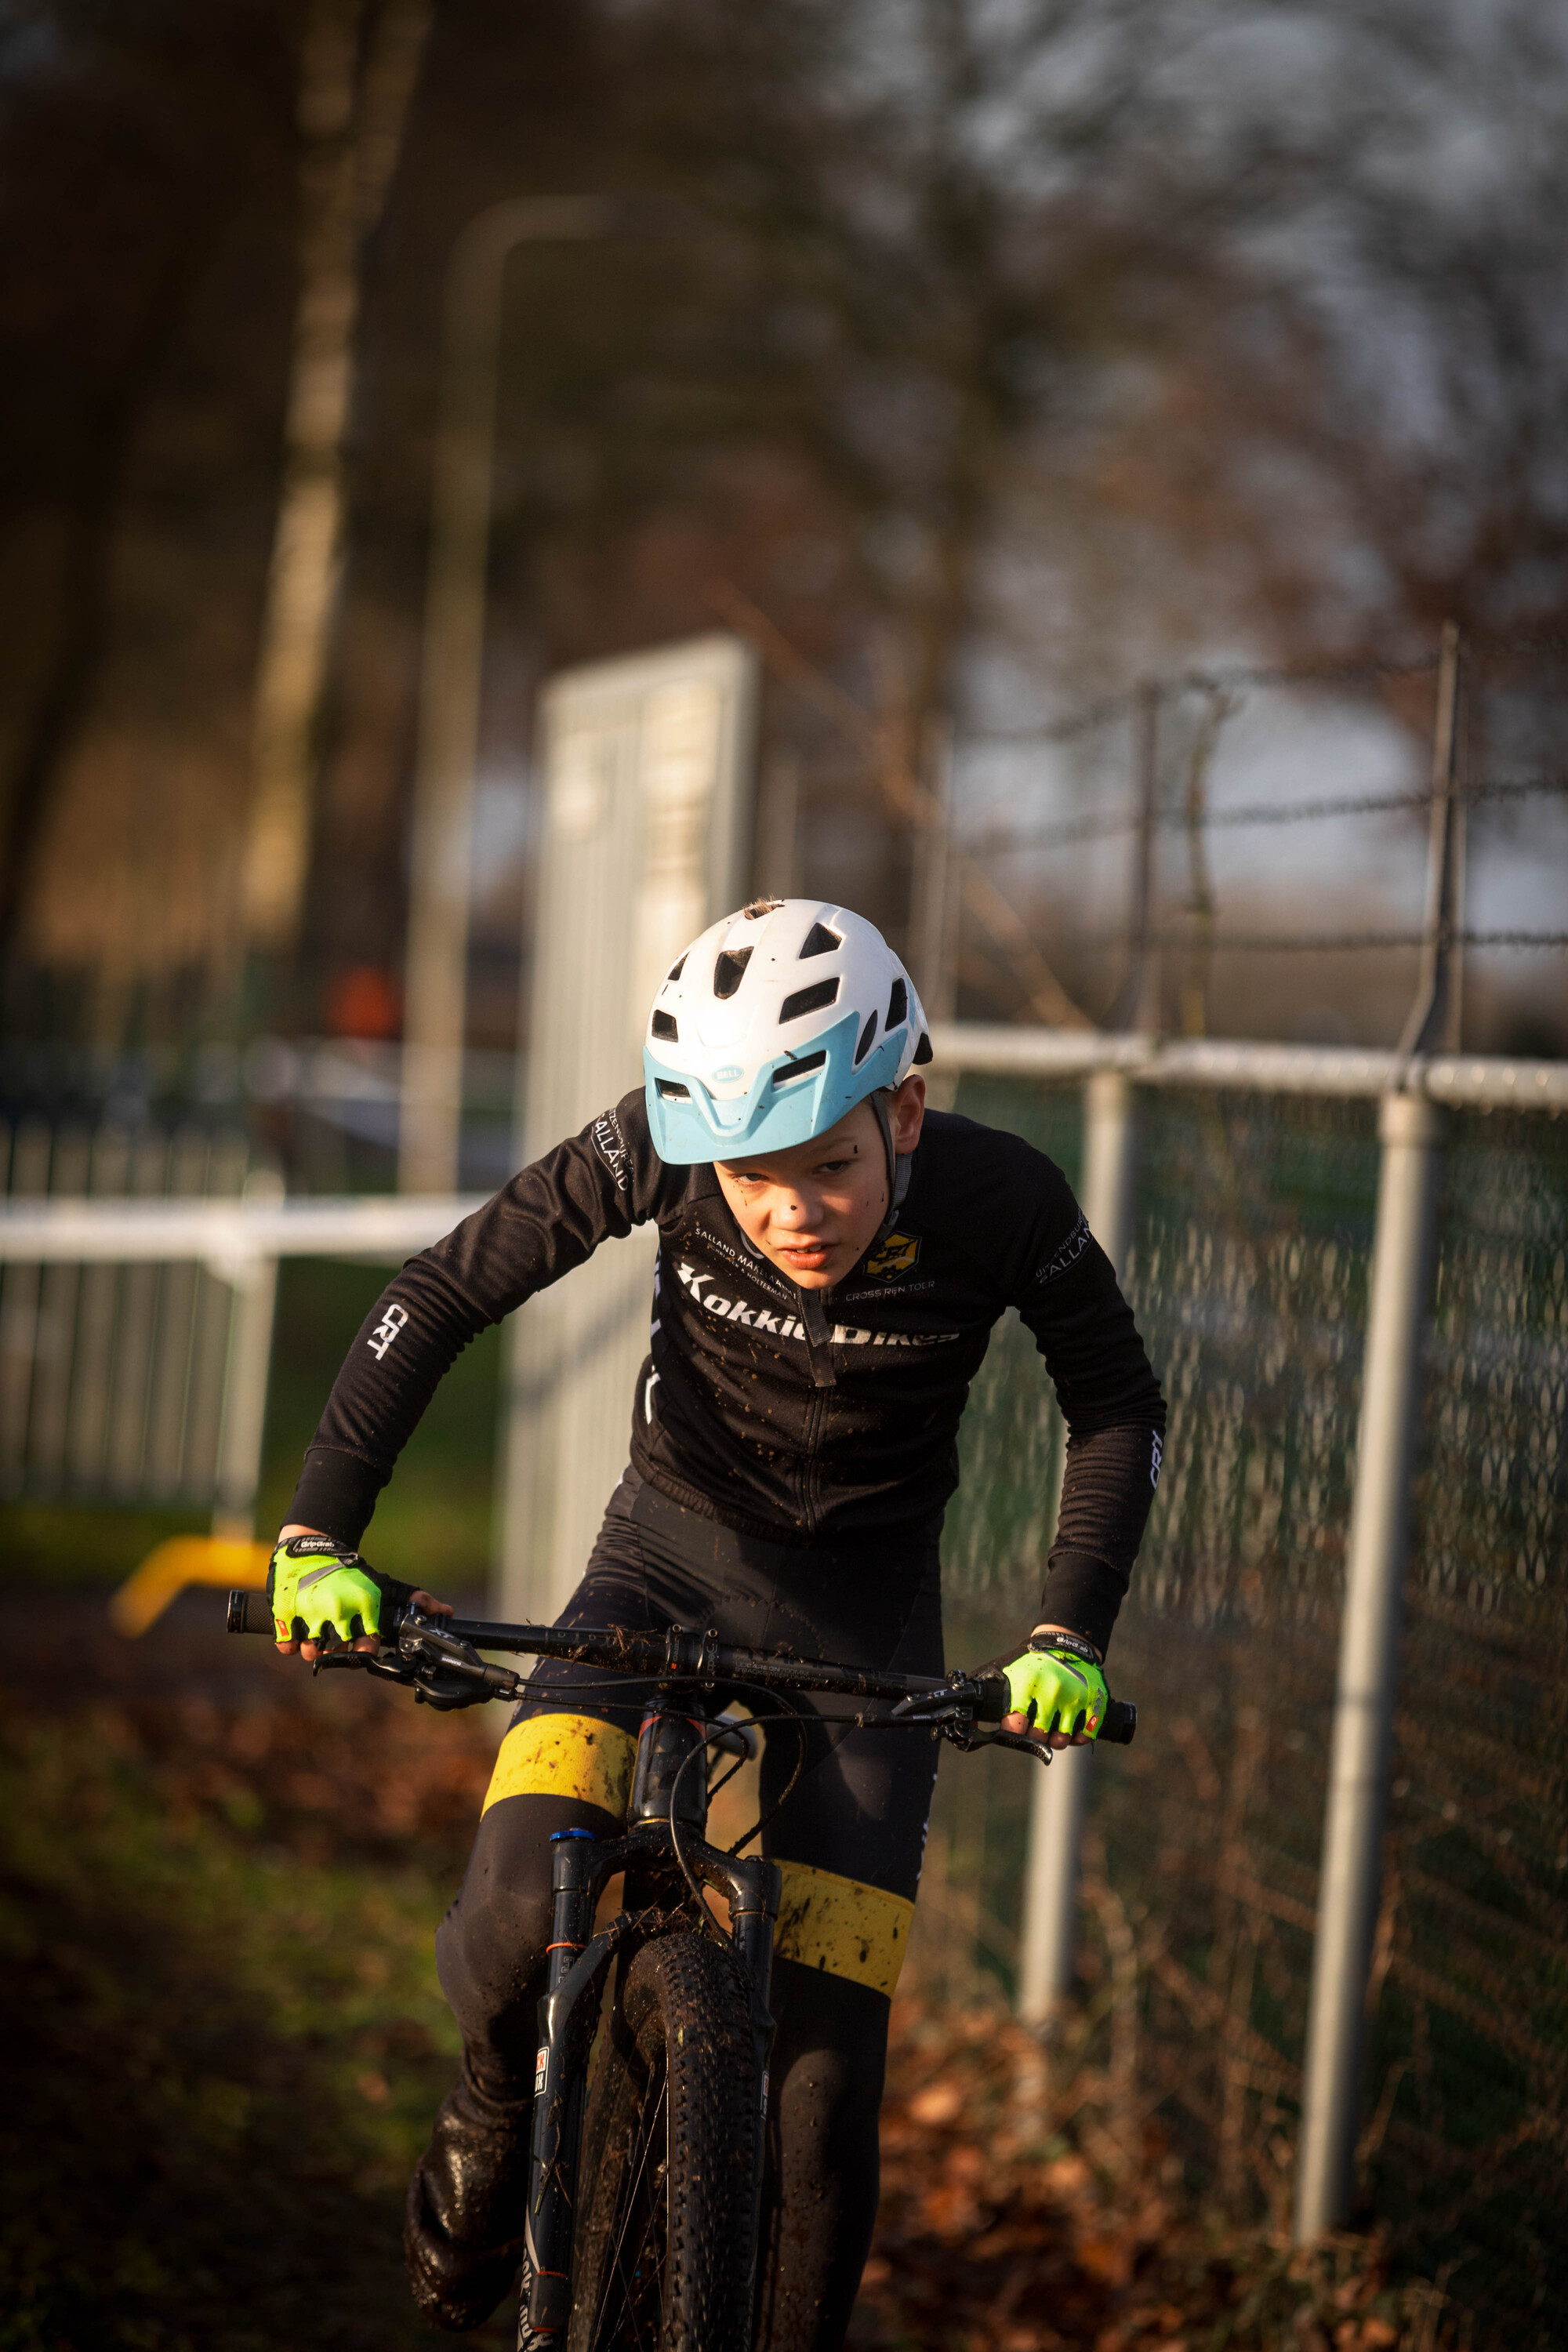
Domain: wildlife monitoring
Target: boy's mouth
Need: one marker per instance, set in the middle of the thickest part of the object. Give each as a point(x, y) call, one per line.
point(806, 1257)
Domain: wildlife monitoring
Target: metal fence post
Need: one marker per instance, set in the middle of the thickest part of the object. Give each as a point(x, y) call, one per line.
point(930, 909)
point(1138, 1002)
point(1061, 1794)
point(1435, 1018)
point(1411, 1130)
point(254, 1283)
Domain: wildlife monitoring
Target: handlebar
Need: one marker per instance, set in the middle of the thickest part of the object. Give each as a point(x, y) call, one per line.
point(439, 1657)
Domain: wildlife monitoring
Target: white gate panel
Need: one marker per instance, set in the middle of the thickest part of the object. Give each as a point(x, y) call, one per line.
point(648, 765)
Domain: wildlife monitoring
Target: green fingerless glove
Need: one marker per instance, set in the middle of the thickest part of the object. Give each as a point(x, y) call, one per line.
point(314, 1584)
point(1059, 1685)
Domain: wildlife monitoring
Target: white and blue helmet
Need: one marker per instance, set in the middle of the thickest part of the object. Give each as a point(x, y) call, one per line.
point(773, 1024)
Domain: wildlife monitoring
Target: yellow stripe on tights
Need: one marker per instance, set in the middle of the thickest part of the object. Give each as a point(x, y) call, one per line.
point(843, 1925)
point(571, 1756)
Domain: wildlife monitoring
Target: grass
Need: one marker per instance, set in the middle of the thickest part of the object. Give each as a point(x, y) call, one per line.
point(226, 2038)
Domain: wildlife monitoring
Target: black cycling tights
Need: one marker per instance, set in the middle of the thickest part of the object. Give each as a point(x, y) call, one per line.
point(858, 1810)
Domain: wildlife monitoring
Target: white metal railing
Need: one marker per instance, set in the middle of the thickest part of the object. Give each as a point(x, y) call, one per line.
point(240, 1242)
point(1468, 1081)
point(223, 1234)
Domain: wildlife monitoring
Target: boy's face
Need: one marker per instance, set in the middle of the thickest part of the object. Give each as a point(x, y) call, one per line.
point(814, 1209)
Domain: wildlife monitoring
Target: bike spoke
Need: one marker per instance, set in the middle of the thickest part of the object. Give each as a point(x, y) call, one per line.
point(633, 2291)
point(649, 2217)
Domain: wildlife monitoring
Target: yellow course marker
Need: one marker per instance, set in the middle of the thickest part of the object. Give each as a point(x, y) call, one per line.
point(185, 1559)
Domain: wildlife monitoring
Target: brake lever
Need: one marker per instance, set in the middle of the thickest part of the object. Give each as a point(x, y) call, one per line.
point(969, 1739)
point(441, 1671)
point(446, 1671)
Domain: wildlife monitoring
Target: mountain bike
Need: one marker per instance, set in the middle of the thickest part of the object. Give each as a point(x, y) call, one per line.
point(646, 2169)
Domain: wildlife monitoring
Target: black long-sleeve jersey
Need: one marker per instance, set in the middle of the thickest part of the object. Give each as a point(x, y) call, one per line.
point(800, 1416)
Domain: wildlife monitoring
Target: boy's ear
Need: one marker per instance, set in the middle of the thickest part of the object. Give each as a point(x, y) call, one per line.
point(906, 1112)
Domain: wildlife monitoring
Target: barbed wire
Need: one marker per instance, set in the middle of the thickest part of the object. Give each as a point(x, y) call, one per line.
point(1378, 804)
point(1234, 678)
point(1230, 680)
point(1516, 648)
point(1321, 942)
point(1109, 827)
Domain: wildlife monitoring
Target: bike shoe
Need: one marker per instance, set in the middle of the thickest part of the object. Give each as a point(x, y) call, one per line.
point(463, 2223)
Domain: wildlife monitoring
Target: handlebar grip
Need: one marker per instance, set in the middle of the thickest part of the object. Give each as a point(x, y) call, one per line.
point(249, 1613)
point(1120, 1723)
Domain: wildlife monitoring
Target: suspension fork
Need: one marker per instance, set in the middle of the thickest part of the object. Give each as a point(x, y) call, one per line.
point(577, 1964)
point(754, 1890)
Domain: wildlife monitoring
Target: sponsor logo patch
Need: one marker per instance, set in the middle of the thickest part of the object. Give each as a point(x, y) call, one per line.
point(700, 1287)
point(898, 1254)
point(386, 1330)
point(1072, 1250)
point(610, 1145)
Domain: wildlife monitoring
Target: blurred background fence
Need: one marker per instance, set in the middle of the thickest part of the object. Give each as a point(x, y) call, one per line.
point(113, 1378)
point(139, 1280)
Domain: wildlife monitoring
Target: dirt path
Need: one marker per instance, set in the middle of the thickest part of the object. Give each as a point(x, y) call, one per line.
point(220, 1881)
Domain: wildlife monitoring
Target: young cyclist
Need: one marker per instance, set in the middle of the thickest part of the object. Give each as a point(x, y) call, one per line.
point(833, 1258)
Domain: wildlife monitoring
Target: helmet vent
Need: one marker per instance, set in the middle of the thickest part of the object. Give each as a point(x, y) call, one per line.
point(664, 1027)
point(814, 999)
point(727, 971)
point(863, 1047)
point(671, 1091)
point(898, 1006)
point(820, 941)
point(793, 1070)
point(676, 969)
point(758, 908)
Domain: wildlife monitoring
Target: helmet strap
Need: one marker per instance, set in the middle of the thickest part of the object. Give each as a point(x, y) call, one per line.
point(901, 1165)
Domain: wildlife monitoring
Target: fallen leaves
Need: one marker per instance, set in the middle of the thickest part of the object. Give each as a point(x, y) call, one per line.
point(998, 2233)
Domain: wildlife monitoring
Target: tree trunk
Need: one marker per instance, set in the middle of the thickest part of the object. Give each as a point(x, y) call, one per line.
point(353, 127)
point(84, 599)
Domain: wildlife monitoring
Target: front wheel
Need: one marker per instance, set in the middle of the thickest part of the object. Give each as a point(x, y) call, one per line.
point(664, 2246)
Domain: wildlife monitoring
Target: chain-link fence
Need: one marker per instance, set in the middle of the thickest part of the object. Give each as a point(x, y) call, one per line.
point(1248, 1273)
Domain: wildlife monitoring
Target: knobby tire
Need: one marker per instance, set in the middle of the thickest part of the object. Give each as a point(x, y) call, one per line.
point(664, 2242)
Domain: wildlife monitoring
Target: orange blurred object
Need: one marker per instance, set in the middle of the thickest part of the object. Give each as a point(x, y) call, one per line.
point(363, 1001)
